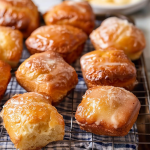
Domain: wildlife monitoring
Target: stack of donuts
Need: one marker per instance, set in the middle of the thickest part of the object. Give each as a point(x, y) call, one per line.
point(107, 108)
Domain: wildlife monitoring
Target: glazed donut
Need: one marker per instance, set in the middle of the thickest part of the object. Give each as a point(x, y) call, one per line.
point(107, 110)
point(67, 40)
point(108, 67)
point(11, 46)
point(19, 14)
point(77, 14)
point(31, 121)
point(48, 73)
point(119, 34)
point(5, 76)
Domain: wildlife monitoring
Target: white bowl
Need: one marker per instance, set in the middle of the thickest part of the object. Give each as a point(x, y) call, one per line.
point(123, 9)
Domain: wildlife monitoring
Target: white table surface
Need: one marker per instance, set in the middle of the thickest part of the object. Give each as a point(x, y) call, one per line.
point(142, 19)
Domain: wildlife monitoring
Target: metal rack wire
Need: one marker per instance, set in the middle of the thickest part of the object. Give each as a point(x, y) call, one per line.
point(137, 138)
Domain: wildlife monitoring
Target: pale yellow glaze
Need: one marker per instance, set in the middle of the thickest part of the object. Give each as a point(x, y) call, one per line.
point(112, 2)
point(107, 105)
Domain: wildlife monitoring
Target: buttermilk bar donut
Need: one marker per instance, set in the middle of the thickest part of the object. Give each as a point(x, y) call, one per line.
point(77, 14)
point(11, 45)
point(5, 76)
point(67, 40)
point(31, 121)
point(19, 14)
point(108, 67)
point(107, 110)
point(48, 73)
point(120, 34)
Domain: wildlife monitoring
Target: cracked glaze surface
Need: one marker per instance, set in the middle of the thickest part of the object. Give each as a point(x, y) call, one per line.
point(78, 14)
point(18, 14)
point(107, 107)
point(120, 34)
point(47, 73)
point(59, 38)
point(108, 67)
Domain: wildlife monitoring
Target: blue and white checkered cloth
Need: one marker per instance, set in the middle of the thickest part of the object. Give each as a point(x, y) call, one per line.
point(75, 138)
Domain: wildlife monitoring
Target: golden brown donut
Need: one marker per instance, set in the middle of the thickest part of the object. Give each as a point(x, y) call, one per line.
point(31, 121)
point(48, 73)
point(108, 67)
point(107, 110)
point(5, 76)
point(77, 14)
point(120, 34)
point(22, 15)
point(11, 45)
point(67, 40)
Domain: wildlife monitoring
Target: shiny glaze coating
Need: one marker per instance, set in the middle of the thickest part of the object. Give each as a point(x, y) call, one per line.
point(108, 67)
point(64, 39)
point(108, 110)
point(11, 45)
point(19, 14)
point(120, 34)
point(78, 14)
point(5, 76)
point(29, 116)
point(48, 73)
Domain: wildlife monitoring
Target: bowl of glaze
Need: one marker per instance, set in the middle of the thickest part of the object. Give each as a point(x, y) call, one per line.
point(103, 7)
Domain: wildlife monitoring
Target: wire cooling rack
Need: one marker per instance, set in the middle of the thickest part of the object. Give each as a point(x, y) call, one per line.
point(76, 139)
